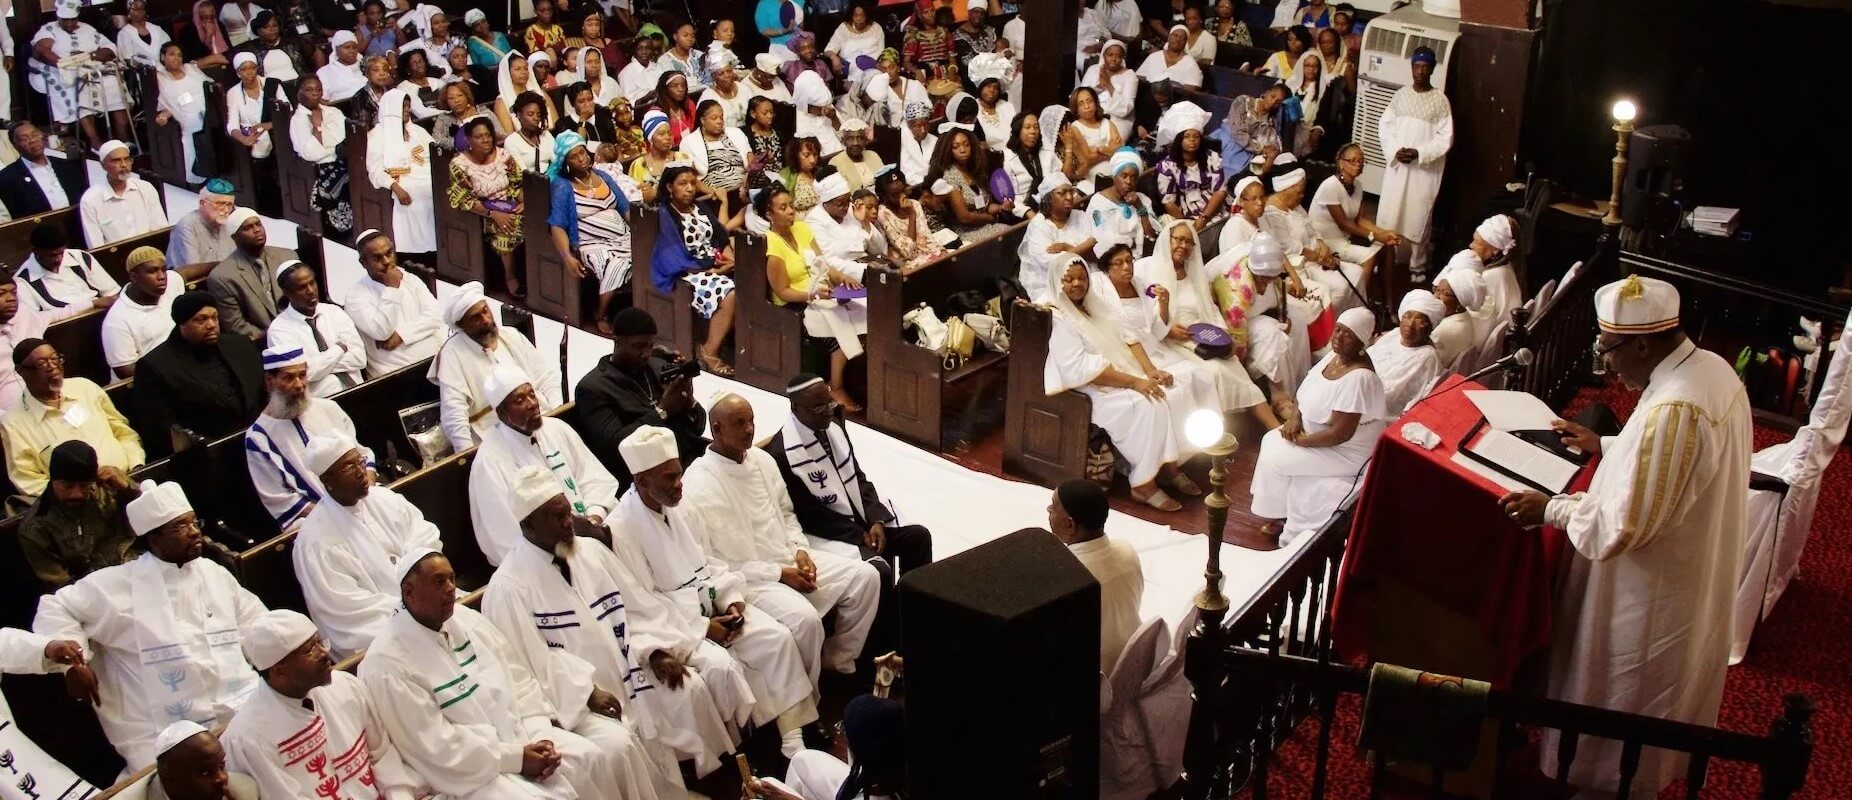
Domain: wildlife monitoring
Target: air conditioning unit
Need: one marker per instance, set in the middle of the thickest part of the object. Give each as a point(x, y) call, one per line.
point(1387, 43)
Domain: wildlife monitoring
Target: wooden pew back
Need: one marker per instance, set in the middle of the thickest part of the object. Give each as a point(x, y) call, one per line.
point(232, 160)
point(16, 236)
point(294, 173)
point(372, 205)
point(551, 290)
point(768, 338)
point(460, 244)
point(1044, 436)
point(676, 320)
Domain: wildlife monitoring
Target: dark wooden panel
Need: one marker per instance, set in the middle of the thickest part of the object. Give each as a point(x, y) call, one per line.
point(375, 404)
point(768, 339)
point(165, 152)
point(460, 242)
point(1044, 436)
point(233, 160)
point(296, 174)
point(1490, 72)
point(551, 291)
point(372, 205)
point(677, 324)
point(269, 571)
point(1048, 67)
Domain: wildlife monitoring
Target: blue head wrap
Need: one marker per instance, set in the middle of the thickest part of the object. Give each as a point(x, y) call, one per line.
point(562, 145)
point(651, 121)
point(1422, 55)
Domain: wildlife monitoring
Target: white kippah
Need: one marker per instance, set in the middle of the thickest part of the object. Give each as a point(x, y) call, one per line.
point(274, 635)
point(403, 569)
point(646, 448)
point(533, 487)
point(174, 734)
point(328, 448)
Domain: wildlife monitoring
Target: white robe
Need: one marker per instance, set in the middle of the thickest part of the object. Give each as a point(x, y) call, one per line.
point(916, 156)
point(1405, 371)
point(461, 368)
point(461, 707)
point(1186, 72)
point(666, 545)
point(747, 517)
point(556, 448)
point(1112, 224)
point(1644, 616)
point(1423, 121)
point(410, 310)
point(1305, 485)
point(346, 560)
point(339, 748)
point(277, 454)
point(392, 144)
point(1502, 291)
point(1032, 256)
point(1221, 385)
point(1452, 337)
point(601, 629)
point(1142, 429)
point(164, 641)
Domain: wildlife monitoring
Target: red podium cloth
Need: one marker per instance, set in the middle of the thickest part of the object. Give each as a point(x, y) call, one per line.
point(1435, 526)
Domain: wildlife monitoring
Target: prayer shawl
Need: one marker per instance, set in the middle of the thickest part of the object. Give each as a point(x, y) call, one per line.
point(164, 641)
point(346, 558)
point(277, 450)
point(554, 447)
point(459, 711)
point(462, 367)
point(833, 477)
point(397, 147)
point(746, 513)
point(336, 750)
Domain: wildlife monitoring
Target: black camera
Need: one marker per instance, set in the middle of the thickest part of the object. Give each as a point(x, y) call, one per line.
point(677, 368)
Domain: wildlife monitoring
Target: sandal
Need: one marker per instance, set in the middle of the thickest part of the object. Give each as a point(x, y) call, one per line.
point(1159, 500)
point(714, 364)
point(1185, 486)
point(843, 399)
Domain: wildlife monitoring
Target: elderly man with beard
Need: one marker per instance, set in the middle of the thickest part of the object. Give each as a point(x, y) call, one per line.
point(77, 526)
point(308, 725)
point(201, 237)
point(345, 553)
point(475, 348)
point(277, 444)
point(524, 436)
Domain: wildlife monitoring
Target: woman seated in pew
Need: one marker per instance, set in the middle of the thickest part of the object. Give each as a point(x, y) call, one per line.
point(994, 114)
point(1248, 201)
point(960, 180)
point(1267, 318)
point(893, 91)
point(1199, 43)
point(541, 66)
point(1316, 457)
point(399, 160)
point(1114, 85)
point(139, 42)
point(647, 169)
point(719, 156)
point(804, 46)
point(486, 181)
point(1088, 352)
point(281, 60)
point(544, 33)
point(585, 117)
point(673, 100)
point(1308, 87)
point(1027, 163)
point(630, 144)
point(416, 81)
point(1062, 228)
point(513, 81)
point(692, 246)
point(1120, 213)
point(857, 37)
point(487, 47)
point(317, 130)
point(1489, 254)
point(1338, 284)
point(904, 223)
point(531, 144)
point(1174, 276)
point(462, 73)
point(681, 56)
point(1189, 179)
point(1251, 132)
point(1173, 63)
point(587, 218)
point(182, 99)
point(365, 105)
point(1337, 217)
point(1228, 26)
point(592, 33)
point(204, 43)
point(1283, 63)
point(459, 107)
point(592, 73)
point(247, 117)
point(1405, 358)
point(816, 113)
point(917, 143)
point(803, 163)
point(799, 272)
point(1091, 138)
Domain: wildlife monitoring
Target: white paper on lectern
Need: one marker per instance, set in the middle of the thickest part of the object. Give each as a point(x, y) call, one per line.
point(1512, 411)
point(1533, 463)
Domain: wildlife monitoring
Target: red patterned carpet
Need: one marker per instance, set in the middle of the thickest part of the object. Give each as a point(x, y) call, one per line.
point(1805, 646)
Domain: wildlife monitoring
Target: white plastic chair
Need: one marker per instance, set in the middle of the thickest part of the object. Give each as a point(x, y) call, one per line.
point(1781, 520)
point(1129, 762)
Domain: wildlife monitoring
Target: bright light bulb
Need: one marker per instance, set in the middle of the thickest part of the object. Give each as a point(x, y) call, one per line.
point(1624, 111)
point(1204, 427)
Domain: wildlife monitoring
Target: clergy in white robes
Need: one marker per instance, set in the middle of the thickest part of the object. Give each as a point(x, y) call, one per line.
point(160, 633)
point(664, 538)
point(1644, 611)
point(579, 618)
point(1492, 243)
point(1405, 358)
point(277, 444)
point(310, 730)
point(747, 516)
point(1416, 131)
point(523, 436)
point(396, 314)
point(1461, 292)
point(475, 347)
point(471, 720)
point(348, 551)
point(336, 358)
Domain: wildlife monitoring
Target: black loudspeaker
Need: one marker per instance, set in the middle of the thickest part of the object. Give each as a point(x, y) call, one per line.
point(1003, 681)
point(1656, 161)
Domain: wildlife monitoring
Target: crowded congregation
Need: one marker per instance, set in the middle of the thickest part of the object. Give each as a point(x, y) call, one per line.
point(837, 400)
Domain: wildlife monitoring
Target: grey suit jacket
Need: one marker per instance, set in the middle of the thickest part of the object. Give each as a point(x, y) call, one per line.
point(246, 293)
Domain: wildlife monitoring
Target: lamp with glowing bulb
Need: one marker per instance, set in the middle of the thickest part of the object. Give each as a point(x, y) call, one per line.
point(1624, 111)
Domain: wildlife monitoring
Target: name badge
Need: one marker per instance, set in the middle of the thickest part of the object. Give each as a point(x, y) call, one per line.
point(186, 98)
point(75, 416)
point(301, 28)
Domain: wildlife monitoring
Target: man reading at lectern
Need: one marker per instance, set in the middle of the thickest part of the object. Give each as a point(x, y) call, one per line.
point(1659, 533)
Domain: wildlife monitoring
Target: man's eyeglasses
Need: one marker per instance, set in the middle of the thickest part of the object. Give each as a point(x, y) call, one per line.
point(43, 362)
point(1602, 352)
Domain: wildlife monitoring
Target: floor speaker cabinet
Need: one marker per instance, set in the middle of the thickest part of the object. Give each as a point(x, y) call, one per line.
point(1002, 663)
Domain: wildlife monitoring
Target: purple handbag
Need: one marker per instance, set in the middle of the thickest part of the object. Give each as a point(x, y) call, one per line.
point(1211, 341)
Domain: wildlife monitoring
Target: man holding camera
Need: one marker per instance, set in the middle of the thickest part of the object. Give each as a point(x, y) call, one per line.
point(637, 385)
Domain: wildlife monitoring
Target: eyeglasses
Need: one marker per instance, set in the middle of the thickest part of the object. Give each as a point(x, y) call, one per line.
point(43, 362)
point(1602, 352)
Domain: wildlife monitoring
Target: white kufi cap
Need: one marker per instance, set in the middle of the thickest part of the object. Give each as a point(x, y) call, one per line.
point(832, 187)
point(406, 562)
point(274, 635)
point(326, 449)
point(461, 301)
point(646, 448)
point(159, 504)
point(533, 487)
point(174, 734)
point(502, 381)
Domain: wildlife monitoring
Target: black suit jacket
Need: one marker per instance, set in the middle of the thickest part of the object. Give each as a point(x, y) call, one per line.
point(612, 404)
point(821, 520)
point(20, 191)
point(174, 384)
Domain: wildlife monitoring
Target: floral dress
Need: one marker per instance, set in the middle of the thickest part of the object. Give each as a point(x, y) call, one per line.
point(771, 148)
point(497, 184)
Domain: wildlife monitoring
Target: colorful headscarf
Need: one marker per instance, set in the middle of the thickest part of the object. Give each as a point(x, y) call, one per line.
point(652, 120)
point(889, 54)
point(563, 145)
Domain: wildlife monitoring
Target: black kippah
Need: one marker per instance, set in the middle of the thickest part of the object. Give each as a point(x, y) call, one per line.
point(74, 461)
point(1085, 502)
point(46, 236)
point(23, 350)
point(632, 321)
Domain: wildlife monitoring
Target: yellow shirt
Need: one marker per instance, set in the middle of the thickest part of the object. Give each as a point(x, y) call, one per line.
point(796, 262)
point(30, 430)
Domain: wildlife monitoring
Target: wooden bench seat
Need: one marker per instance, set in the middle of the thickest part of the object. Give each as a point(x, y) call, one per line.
point(1044, 436)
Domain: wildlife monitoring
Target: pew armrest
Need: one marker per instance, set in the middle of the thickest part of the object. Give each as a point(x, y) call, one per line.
point(1763, 482)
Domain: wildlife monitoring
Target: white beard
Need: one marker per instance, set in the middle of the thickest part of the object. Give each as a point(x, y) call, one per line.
point(284, 407)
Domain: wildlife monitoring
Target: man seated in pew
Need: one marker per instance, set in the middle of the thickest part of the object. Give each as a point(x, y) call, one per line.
point(337, 358)
point(310, 730)
point(468, 717)
point(342, 77)
point(396, 315)
point(197, 380)
point(525, 436)
point(244, 284)
point(60, 281)
point(653, 531)
point(835, 501)
point(142, 318)
point(278, 442)
point(346, 552)
point(1077, 516)
point(203, 237)
point(77, 526)
point(78, 92)
point(37, 183)
point(123, 205)
point(586, 625)
point(638, 384)
point(18, 322)
point(189, 764)
point(150, 660)
point(745, 510)
point(56, 409)
point(475, 348)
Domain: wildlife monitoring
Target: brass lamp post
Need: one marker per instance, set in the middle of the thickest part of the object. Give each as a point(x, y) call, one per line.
point(1624, 112)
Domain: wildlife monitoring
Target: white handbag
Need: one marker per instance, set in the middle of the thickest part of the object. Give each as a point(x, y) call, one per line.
point(932, 335)
point(990, 332)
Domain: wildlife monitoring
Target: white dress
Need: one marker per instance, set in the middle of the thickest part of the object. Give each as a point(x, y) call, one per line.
point(1294, 231)
point(1423, 121)
point(1189, 305)
point(70, 90)
point(1405, 371)
point(1305, 485)
point(1142, 429)
point(393, 145)
point(849, 45)
point(1186, 72)
point(1117, 102)
point(1033, 258)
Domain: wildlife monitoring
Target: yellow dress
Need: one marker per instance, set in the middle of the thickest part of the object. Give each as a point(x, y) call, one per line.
point(797, 265)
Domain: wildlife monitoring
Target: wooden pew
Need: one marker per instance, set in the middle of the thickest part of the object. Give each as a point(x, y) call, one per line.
point(1233, 56)
point(908, 384)
point(1044, 436)
point(232, 161)
point(768, 338)
point(462, 252)
point(166, 153)
point(295, 174)
point(552, 292)
point(372, 206)
point(15, 236)
point(677, 324)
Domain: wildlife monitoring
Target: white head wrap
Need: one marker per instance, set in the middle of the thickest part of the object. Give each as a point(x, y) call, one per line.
point(461, 301)
point(67, 9)
point(1050, 182)
point(177, 732)
point(328, 448)
point(1468, 288)
point(977, 5)
point(473, 16)
point(1361, 322)
point(1180, 27)
point(1265, 257)
point(274, 635)
point(342, 37)
point(1637, 305)
point(1243, 184)
point(1496, 231)
point(111, 146)
point(411, 559)
point(159, 504)
point(533, 487)
point(853, 125)
point(1126, 157)
point(1288, 179)
point(1425, 302)
point(503, 380)
point(832, 187)
point(242, 59)
point(646, 448)
point(1183, 116)
point(766, 63)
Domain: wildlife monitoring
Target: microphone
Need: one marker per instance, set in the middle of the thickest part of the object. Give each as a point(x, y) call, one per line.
point(1522, 358)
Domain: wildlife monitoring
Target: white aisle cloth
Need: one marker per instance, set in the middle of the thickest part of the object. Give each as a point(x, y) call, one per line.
point(556, 448)
point(346, 558)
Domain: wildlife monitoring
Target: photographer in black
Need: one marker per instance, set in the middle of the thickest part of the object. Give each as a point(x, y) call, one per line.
point(639, 384)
